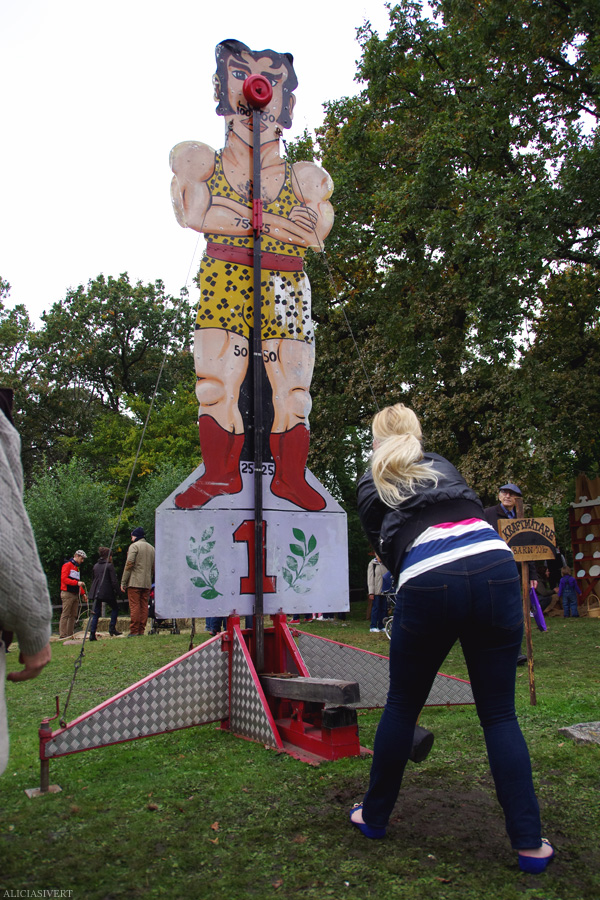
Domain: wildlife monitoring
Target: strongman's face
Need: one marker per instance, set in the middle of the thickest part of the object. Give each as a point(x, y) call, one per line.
point(237, 72)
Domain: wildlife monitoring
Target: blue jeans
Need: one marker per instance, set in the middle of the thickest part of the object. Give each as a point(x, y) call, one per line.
point(570, 605)
point(378, 610)
point(114, 613)
point(215, 623)
point(476, 600)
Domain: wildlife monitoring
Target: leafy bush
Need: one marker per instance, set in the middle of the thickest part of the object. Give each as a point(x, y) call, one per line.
point(69, 511)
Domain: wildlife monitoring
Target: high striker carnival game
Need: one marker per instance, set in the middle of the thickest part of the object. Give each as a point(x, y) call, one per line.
point(251, 532)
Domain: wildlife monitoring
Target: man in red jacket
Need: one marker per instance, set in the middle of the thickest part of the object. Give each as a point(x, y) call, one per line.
point(70, 585)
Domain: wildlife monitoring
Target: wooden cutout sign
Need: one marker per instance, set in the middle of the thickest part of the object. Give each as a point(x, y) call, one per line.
point(254, 365)
point(529, 539)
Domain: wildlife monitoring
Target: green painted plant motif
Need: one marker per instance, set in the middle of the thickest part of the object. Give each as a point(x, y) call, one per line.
point(201, 560)
point(302, 565)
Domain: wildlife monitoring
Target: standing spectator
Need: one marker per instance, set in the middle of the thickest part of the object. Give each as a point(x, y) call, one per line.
point(70, 588)
point(215, 624)
point(506, 508)
point(568, 591)
point(104, 589)
point(543, 590)
point(137, 579)
point(554, 568)
point(375, 572)
point(25, 608)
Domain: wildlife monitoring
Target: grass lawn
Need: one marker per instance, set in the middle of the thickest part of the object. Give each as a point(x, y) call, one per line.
point(202, 814)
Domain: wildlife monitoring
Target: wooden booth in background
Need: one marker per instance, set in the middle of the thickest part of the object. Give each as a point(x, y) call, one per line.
point(584, 524)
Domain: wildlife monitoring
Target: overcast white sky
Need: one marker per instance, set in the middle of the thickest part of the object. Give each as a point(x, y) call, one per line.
point(95, 94)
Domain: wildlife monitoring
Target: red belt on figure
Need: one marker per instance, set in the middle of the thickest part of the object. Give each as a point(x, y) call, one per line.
point(244, 256)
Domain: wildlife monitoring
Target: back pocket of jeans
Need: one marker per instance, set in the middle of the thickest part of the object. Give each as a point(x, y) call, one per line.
point(506, 603)
point(418, 608)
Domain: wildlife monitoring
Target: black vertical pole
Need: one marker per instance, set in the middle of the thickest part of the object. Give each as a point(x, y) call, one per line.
point(526, 616)
point(259, 631)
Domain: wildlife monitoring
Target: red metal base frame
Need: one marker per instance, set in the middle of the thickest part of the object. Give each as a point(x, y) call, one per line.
point(218, 682)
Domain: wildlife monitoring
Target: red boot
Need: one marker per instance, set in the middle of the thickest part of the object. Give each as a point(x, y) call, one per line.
point(290, 452)
point(221, 452)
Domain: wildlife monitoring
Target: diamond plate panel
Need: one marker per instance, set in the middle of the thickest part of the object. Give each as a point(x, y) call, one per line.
point(249, 715)
point(192, 690)
point(447, 690)
point(328, 659)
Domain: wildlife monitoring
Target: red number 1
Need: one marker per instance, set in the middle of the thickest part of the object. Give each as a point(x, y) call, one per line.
point(245, 535)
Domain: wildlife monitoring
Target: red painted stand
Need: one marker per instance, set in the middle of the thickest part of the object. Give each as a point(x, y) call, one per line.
point(280, 708)
point(306, 729)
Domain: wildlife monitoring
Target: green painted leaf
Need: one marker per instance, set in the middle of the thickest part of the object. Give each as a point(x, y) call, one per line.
point(191, 562)
point(292, 562)
point(198, 582)
point(299, 535)
point(207, 534)
point(287, 576)
point(300, 589)
point(299, 551)
point(312, 543)
point(210, 594)
point(207, 564)
point(312, 560)
point(206, 548)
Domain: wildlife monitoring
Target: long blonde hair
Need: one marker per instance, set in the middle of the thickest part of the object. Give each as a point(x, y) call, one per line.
point(396, 462)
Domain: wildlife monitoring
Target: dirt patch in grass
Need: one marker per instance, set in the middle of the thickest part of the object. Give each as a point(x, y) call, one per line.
point(441, 817)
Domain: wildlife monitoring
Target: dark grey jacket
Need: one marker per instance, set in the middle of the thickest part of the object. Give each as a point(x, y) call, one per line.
point(104, 581)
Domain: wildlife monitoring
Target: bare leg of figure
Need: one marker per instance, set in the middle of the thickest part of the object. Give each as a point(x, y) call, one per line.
point(221, 359)
point(289, 365)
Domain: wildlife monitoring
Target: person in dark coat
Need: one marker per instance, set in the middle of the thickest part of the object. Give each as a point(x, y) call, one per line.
point(104, 589)
point(506, 508)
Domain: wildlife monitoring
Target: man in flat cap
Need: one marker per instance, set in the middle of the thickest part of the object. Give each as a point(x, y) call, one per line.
point(137, 579)
point(506, 507)
point(70, 588)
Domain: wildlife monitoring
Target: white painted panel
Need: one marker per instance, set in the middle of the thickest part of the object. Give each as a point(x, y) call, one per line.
point(203, 570)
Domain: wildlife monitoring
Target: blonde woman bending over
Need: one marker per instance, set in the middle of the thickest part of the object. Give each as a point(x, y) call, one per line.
point(458, 581)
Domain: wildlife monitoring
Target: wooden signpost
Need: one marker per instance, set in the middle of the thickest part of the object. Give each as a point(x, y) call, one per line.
point(530, 539)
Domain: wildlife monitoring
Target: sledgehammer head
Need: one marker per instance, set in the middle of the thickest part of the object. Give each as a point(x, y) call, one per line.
point(422, 744)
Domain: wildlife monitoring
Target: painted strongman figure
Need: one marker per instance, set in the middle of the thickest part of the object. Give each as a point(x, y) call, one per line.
point(212, 193)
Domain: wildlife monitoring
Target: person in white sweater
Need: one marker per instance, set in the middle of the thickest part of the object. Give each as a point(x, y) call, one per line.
point(25, 608)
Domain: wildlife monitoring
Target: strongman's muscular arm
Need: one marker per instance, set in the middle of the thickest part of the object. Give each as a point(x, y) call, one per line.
point(308, 224)
point(313, 186)
point(193, 164)
point(228, 216)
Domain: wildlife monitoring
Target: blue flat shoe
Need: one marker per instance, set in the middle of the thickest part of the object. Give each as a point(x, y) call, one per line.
point(534, 865)
point(370, 831)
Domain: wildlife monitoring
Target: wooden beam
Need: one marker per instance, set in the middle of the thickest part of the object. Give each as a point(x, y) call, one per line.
point(316, 690)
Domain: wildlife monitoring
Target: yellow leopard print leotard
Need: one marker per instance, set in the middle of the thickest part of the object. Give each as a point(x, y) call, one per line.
point(226, 287)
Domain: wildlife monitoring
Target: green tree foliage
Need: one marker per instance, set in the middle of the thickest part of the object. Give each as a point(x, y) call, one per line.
point(170, 437)
point(157, 488)
point(15, 327)
point(84, 382)
point(467, 175)
point(90, 370)
point(561, 377)
point(109, 339)
point(69, 510)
